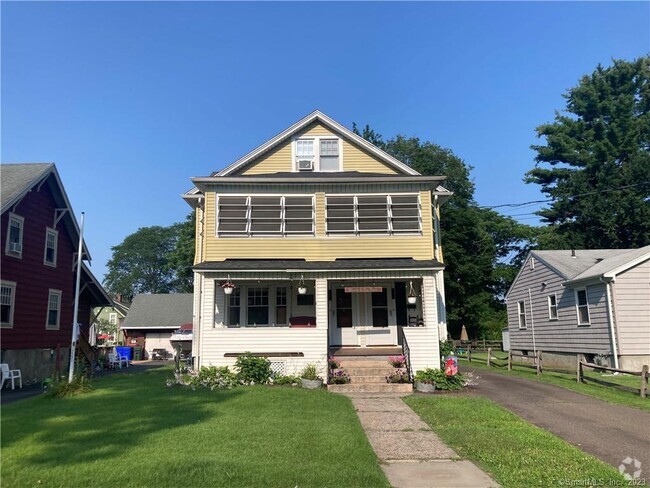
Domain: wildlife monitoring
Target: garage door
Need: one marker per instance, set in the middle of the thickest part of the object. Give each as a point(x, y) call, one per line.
point(158, 340)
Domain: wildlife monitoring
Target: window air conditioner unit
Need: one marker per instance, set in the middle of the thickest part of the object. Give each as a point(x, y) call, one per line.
point(305, 165)
point(15, 247)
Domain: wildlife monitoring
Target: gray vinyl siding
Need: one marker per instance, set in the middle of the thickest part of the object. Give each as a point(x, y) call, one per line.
point(563, 334)
point(632, 305)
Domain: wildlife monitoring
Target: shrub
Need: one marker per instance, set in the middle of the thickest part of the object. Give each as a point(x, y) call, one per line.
point(440, 379)
point(446, 348)
point(285, 380)
point(213, 377)
point(310, 372)
point(333, 363)
point(399, 376)
point(60, 388)
point(253, 369)
point(339, 378)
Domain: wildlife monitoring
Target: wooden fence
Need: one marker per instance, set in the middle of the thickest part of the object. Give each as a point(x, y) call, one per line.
point(643, 390)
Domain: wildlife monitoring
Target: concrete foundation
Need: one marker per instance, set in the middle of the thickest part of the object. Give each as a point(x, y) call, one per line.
point(35, 364)
point(633, 363)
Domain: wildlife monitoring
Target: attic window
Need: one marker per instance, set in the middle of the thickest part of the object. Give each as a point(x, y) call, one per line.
point(317, 154)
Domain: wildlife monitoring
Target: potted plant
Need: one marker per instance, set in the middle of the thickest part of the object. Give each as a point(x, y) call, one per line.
point(397, 361)
point(339, 378)
point(412, 298)
point(398, 376)
point(302, 287)
point(333, 363)
point(309, 377)
point(425, 380)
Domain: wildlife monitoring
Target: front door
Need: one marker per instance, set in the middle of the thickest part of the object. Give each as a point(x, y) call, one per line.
point(344, 318)
point(380, 317)
point(362, 318)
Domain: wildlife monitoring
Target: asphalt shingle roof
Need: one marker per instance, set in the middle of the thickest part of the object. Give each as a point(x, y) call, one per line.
point(16, 178)
point(159, 311)
point(588, 263)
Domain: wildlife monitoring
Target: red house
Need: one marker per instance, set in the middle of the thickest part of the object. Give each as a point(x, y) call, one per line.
point(39, 239)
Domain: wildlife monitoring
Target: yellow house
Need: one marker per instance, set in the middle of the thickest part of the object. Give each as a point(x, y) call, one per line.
point(318, 243)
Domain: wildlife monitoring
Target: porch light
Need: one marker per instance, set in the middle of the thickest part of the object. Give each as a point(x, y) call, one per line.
point(302, 288)
point(412, 297)
point(228, 286)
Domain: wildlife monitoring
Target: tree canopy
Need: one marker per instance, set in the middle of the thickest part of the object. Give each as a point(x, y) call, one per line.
point(595, 163)
point(482, 249)
point(152, 260)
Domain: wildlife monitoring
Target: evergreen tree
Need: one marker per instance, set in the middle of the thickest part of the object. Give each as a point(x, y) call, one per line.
point(595, 164)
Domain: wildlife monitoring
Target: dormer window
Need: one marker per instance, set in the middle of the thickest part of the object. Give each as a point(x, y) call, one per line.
point(317, 154)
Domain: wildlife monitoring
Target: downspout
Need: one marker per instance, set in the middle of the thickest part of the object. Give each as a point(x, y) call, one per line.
point(610, 320)
point(532, 322)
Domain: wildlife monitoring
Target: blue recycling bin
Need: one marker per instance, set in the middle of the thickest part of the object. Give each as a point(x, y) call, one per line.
point(125, 351)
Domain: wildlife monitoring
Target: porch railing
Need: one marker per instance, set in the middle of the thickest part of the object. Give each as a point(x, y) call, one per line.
point(406, 352)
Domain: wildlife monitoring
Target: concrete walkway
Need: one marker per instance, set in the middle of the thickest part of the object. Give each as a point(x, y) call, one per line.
point(608, 431)
point(411, 455)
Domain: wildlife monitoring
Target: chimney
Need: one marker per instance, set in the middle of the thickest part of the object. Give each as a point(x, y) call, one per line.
point(573, 253)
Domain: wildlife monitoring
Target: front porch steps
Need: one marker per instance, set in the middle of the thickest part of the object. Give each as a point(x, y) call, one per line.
point(368, 375)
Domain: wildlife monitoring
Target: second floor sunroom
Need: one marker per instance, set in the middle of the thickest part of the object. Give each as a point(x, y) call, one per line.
point(295, 215)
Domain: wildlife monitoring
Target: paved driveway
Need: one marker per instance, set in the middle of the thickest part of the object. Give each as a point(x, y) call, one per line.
point(608, 431)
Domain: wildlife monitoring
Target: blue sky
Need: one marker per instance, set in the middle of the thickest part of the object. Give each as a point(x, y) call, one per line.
point(130, 100)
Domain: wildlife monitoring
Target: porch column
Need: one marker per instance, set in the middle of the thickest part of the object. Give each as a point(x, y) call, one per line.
point(442, 307)
point(321, 303)
point(429, 302)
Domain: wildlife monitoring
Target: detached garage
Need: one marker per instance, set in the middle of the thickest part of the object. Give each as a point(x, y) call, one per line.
point(158, 322)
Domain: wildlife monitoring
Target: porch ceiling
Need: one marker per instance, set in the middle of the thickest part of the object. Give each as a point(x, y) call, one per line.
point(298, 265)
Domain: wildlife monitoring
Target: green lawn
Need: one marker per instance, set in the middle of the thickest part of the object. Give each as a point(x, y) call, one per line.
point(133, 431)
point(515, 453)
point(568, 380)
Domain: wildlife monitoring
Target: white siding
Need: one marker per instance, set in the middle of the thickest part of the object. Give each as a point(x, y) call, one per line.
point(429, 302)
point(563, 334)
point(424, 347)
point(632, 305)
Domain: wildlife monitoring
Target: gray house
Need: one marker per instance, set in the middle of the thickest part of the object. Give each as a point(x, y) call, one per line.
point(583, 302)
point(159, 323)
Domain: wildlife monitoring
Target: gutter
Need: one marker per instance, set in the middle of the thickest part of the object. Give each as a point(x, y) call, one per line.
point(199, 181)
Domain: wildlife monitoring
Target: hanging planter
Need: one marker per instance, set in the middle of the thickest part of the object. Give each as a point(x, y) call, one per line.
point(412, 297)
point(228, 286)
point(302, 288)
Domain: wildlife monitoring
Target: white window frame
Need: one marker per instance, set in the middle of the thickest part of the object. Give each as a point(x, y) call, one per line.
point(112, 318)
point(283, 233)
point(21, 221)
point(272, 305)
point(586, 306)
point(521, 311)
point(552, 306)
point(51, 232)
point(50, 293)
point(12, 286)
point(316, 157)
point(389, 216)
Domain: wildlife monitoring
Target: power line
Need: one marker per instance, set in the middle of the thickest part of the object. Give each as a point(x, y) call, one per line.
point(533, 202)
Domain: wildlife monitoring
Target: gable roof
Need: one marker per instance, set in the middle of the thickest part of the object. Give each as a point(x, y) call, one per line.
point(316, 116)
point(18, 179)
point(160, 311)
point(591, 263)
point(97, 291)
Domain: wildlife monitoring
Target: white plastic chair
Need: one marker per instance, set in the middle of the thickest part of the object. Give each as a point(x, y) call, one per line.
point(114, 359)
point(10, 374)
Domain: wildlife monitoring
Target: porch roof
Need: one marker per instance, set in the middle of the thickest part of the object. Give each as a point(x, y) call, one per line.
point(297, 265)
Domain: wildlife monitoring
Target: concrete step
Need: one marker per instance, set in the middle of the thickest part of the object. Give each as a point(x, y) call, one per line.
point(369, 379)
point(374, 371)
point(372, 388)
